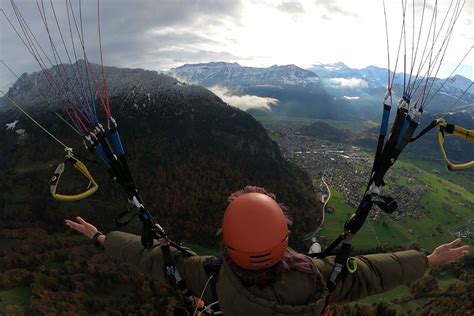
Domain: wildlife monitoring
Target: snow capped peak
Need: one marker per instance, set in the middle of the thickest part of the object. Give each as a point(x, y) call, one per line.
point(221, 73)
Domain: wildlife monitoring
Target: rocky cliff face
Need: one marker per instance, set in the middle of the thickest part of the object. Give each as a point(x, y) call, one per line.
point(186, 148)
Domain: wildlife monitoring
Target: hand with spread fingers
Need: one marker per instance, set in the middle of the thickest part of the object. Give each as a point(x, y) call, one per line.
point(447, 253)
point(87, 229)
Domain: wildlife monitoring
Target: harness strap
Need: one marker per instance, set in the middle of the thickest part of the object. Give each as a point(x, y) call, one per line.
point(387, 153)
point(459, 132)
point(175, 278)
point(212, 266)
point(382, 134)
point(432, 125)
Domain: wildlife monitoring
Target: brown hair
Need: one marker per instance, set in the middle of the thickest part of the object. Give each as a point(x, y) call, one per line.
point(291, 260)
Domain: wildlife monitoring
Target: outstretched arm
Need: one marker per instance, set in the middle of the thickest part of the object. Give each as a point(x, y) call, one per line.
point(382, 272)
point(128, 248)
point(447, 253)
point(85, 228)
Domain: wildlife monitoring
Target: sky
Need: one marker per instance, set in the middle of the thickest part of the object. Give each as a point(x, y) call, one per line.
point(161, 34)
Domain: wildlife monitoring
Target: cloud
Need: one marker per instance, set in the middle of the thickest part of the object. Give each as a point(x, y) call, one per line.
point(292, 7)
point(351, 98)
point(332, 8)
point(349, 82)
point(243, 102)
point(131, 33)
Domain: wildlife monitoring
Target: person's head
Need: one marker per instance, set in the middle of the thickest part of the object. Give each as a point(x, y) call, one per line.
point(255, 229)
point(255, 234)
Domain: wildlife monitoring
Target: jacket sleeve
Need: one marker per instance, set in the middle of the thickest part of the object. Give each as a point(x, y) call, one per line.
point(128, 248)
point(375, 274)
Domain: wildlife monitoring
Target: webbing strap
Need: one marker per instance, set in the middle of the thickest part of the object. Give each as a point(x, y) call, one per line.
point(175, 278)
point(459, 132)
point(432, 125)
point(382, 134)
point(168, 260)
point(340, 262)
point(454, 130)
point(390, 160)
point(387, 151)
point(212, 266)
point(151, 229)
point(385, 156)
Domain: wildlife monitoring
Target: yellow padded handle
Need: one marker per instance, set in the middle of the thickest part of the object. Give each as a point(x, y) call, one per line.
point(83, 170)
point(457, 131)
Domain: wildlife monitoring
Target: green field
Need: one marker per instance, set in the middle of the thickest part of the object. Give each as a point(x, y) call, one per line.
point(463, 178)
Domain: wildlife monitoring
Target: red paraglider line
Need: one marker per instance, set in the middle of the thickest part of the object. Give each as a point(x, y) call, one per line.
point(57, 58)
point(86, 96)
point(30, 45)
point(89, 68)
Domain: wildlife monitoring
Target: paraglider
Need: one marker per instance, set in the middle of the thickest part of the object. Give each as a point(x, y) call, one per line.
point(249, 247)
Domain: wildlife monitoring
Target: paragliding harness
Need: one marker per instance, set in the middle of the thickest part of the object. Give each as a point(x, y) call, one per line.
point(386, 155)
point(212, 266)
point(81, 110)
point(402, 131)
point(114, 156)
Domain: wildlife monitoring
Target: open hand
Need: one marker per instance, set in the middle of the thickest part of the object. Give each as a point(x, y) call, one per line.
point(447, 253)
point(82, 226)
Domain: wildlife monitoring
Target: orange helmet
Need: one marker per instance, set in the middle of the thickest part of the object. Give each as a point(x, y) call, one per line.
point(255, 231)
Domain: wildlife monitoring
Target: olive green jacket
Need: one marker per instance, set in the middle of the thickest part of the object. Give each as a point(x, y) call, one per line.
point(293, 293)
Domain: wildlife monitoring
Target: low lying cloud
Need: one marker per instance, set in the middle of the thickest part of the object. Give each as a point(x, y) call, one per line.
point(351, 98)
point(292, 7)
point(350, 82)
point(11, 125)
point(243, 102)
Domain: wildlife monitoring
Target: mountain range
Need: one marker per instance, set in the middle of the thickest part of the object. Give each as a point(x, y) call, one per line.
point(325, 91)
point(221, 73)
point(295, 91)
point(366, 87)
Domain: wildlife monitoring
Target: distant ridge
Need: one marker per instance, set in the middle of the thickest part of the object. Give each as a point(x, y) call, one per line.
point(222, 73)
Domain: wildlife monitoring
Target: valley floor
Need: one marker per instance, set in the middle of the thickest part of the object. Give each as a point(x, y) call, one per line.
point(434, 205)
